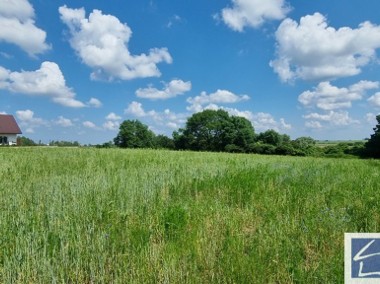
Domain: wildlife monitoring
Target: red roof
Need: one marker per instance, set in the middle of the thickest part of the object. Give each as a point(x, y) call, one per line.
point(8, 125)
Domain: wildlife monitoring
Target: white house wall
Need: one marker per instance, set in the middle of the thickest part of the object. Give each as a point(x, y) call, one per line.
point(12, 138)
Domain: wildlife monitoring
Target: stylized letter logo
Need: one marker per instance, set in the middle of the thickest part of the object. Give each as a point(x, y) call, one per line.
point(361, 256)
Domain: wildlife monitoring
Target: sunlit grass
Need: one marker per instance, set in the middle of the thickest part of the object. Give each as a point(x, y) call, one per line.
point(144, 216)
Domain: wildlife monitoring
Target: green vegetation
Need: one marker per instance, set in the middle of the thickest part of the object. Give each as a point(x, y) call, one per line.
point(134, 134)
point(64, 143)
point(86, 215)
point(25, 141)
point(372, 147)
point(215, 130)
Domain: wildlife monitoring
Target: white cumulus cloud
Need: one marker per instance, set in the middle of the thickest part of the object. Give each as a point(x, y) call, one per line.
point(313, 50)
point(328, 97)
point(336, 118)
point(89, 124)
point(263, 121)
point(18, 27)
point(93, 102)
point(29, 121)
point(101, 41)
point(198, 103)
point(112, 122)
point(111, 125)
point(135, 109)
point(253, 13)
point(113, 116)
point(64, 122)
point(47, 81)
point(172, 89)
point(375, 100)
point(370, 118)
point(313, 124)
point(157, 120)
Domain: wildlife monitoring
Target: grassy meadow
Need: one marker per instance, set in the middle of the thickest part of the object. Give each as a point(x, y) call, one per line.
point(87, 215)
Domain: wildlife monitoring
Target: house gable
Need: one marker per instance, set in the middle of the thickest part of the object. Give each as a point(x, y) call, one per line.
point(8, 125)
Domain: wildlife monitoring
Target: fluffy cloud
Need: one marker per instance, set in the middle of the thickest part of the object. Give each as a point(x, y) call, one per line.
point(18, 27)
point(339, 118)
point(112, 122)
point(370, 118)
point(135, 109)
point(261, 121)
point(198, 103)
point(312, 50)
point(101, 41)
point(29, 121)
point(264, 121)
point(111, 125)
point(171, 90)
point(253, 13)
point(94, 103)
point(89, 124)
point(64, 122)
point(313, 124)
point(47, 81)
point(375, 100)
point(113, 116)
point(328, 97)
point(165, 119)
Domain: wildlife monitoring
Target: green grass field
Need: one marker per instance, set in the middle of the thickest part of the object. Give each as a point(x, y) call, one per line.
point(144, 216)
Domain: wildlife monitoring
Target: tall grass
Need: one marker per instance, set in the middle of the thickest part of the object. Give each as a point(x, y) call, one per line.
point(144, 216)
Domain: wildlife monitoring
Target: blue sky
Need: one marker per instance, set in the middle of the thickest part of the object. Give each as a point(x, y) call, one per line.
point(74, 70)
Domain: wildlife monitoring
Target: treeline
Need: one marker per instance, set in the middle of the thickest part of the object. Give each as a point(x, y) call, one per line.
point(25, 141)
point(217, 131)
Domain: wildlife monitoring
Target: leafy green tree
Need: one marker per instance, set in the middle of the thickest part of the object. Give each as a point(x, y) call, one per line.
point(25, 141)
point(179, 139)
point(263, 148)
point(372, 147)
point(134, 134)
point(243, 133)
point(163, 142)
point(304, 146)
point(271, 137)
point(214, 130)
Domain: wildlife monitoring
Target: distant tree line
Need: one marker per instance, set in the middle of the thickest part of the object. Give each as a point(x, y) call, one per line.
point(217, 131)
point(25, 141)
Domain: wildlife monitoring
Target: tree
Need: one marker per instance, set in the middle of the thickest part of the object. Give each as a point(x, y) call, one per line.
point(163, 142)
point(263, 148)
point(271, 137)
point(64, 143)
point(134, 134)
point(242, 134)
point(372, 147)
point(304, 146)
point(25, 141)
point(214, 130)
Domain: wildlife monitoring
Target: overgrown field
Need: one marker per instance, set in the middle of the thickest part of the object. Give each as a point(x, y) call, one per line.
point(144, 216)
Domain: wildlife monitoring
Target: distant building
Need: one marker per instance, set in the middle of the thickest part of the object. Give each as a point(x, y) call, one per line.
point(8, 130)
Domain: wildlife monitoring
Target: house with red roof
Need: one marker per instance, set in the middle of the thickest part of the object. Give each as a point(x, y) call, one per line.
point(8, 130)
